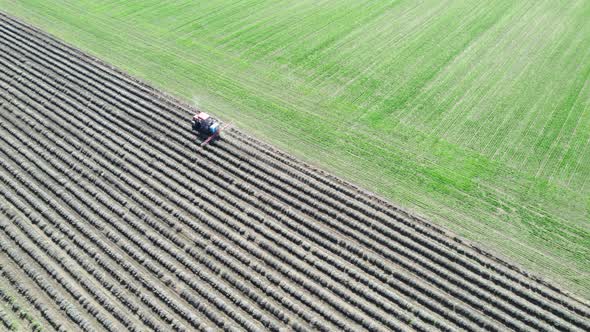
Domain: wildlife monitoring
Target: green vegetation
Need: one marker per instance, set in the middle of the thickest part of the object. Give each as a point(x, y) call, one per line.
point(474, 114)
point(13, 315)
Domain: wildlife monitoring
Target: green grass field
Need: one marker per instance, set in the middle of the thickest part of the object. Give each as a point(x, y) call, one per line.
point(474, 114)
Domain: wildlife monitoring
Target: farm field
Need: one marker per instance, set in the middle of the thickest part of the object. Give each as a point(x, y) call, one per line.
point(112, 218)
point(472, 114)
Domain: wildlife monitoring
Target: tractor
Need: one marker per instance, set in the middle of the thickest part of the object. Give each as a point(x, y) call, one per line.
point(206, 127)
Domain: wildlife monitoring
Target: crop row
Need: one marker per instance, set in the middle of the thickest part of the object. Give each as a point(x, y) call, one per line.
point(84, 245)
point(23, 312)
point(31, 297)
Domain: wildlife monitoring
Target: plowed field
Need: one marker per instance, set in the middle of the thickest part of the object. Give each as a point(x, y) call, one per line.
point(112, 218)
